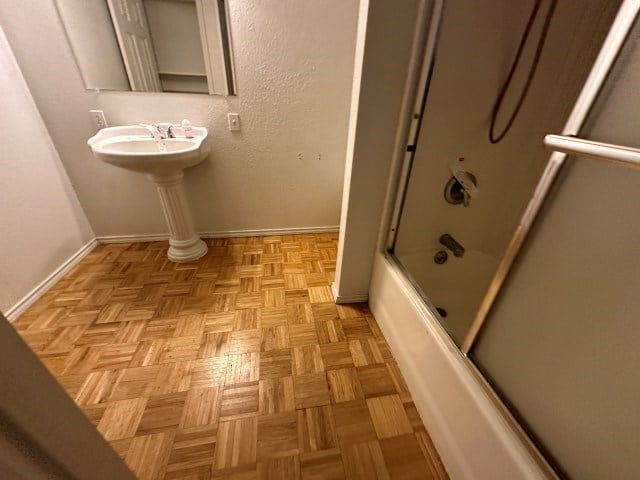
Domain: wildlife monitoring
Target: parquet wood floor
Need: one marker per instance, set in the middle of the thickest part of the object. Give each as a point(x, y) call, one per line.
point(237, 366)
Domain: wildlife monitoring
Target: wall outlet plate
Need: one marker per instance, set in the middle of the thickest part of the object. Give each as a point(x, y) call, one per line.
point(98, 119)
point(234, 121)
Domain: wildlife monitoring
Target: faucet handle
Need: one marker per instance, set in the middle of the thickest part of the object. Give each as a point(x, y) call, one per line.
point(467, 181)
point(157, 136)
point(165, 129)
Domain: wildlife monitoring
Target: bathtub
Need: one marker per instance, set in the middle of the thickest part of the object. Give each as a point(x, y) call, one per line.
point(474, 439)
point(457, 286)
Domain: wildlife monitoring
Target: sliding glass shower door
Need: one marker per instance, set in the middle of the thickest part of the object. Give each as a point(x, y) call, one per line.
point(448, 243)
point(549, 315)
point(561, 341)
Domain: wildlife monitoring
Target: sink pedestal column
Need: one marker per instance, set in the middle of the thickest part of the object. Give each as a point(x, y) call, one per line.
point(184, 243)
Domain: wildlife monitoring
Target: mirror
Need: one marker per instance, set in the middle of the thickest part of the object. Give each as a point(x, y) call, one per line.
point(151, 45)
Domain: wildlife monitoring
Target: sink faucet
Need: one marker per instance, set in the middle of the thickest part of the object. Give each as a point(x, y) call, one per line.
point(160, 130)
point(153, 130)
point(165, 130)
point(451, 243)
point(157, 135)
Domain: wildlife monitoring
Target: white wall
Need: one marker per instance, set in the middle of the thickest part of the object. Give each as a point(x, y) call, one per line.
point(88, 27)
point(293, 63)
point(42, 222)
point(386, 35)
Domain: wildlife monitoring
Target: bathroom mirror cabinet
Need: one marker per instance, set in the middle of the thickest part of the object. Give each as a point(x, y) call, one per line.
point(151, 45)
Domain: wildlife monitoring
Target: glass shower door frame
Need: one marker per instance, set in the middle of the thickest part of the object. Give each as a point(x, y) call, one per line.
point(417, 114)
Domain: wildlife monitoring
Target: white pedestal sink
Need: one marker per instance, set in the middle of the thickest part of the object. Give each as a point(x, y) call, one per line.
point(133, 148)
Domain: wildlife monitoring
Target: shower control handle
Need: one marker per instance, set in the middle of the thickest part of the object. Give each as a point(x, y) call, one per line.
point(452, 244)
point(468, 182)
point(466, 197)
point(461, 188)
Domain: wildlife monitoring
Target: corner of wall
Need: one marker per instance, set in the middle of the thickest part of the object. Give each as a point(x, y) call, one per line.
point(45, 226)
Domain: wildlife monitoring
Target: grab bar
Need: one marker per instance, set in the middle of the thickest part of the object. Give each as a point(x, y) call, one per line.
point(626, 156)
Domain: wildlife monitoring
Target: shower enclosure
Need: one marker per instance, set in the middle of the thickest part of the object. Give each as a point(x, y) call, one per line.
point(527, 257)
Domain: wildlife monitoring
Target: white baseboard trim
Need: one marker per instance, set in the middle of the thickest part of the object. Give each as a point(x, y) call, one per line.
point(221, 234)
point(42, 288)
point(342, 299)
point(154, 237)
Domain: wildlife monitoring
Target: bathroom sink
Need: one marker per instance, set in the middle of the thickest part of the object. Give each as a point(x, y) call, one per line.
point(134, 148)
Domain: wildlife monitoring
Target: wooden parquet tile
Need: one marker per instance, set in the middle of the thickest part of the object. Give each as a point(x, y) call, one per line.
point(322, 465)
point(162, 413)
point(276, 395)
point(236, 366)
point(316, 430)
point(121, 418)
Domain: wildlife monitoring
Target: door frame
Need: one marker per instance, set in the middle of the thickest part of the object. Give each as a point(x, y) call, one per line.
point(142, 68)
point(41, 427)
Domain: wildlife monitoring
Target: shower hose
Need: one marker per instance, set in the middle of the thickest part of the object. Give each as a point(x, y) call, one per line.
point(497, 137)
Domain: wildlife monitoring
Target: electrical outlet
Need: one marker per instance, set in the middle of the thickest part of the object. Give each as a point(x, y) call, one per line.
point(299, 155)
point(98, 119)
point(234, 121)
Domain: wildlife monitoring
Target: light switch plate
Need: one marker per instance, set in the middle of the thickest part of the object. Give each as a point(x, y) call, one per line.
point(234, 121)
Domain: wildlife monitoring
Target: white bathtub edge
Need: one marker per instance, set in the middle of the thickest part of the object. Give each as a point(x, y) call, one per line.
point(473, 438)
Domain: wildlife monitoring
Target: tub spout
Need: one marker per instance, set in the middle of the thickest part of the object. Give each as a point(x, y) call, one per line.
point(451, 243)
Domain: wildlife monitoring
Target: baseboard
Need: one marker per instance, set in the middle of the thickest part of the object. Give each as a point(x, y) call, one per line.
point(265, 232)
point(342, 299)
point(221, 234)
point(31, 297)
point(157, 237)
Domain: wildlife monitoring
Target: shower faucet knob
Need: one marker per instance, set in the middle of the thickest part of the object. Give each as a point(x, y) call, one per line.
point(466, 197)
point(467, 181)
point(461, 188)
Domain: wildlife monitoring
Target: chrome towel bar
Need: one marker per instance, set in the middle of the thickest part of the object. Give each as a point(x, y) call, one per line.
point(626, 156)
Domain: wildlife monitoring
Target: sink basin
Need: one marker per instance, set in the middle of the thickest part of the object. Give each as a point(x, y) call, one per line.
point(133, 148)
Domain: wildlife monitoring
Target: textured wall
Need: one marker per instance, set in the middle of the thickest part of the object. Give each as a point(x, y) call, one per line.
point(42, 222)
point(294, 65)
